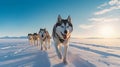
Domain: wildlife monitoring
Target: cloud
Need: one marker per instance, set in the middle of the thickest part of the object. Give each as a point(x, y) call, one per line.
point(100, 19)
point(107, 10)
point(86, 26)
point(104, 20)
point(114, 2)
point(112, 5)
point(96, 22)
point(102, 5)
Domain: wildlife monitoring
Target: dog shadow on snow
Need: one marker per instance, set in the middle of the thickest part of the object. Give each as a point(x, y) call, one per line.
point(75, 61)
point(42, 60)
point(38, 59)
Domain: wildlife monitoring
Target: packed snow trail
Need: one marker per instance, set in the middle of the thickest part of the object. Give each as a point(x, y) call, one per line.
point(18, 53)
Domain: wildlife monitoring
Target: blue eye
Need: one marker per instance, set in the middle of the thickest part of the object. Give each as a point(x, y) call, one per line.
point(62, 26)
point(67, 26)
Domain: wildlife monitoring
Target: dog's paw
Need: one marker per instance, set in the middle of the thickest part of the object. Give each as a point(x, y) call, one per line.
point(49, 47)
point(41, 48)
point(60, 56)
point(45, 48)
point(65, 62)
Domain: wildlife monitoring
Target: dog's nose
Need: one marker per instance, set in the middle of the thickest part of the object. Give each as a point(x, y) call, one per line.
point(42, 35)
point(65, 31)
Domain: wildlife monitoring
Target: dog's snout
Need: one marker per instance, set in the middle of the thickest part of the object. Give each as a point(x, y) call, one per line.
point(65, 31)
point(42, 35)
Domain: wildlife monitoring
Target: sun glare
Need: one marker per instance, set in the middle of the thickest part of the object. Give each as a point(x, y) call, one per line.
point(107, 31)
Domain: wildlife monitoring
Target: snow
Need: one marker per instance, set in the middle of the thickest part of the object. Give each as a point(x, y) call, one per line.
point(81, 53)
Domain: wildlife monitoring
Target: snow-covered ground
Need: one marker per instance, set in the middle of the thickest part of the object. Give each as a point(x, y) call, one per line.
point(81, 53)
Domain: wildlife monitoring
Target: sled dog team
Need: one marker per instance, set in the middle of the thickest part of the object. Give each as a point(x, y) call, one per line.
point(40, 39)
point(61, 35)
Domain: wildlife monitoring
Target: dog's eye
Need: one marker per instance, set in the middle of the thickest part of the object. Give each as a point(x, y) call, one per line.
point(58, 24)
point(62, 26)
point(67, 26)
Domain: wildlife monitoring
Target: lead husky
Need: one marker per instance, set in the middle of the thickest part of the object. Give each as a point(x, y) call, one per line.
point(44, 39)
point(61, 36)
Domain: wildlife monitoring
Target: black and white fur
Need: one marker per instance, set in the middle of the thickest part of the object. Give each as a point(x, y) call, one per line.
point(61, 35)
point(44, 39)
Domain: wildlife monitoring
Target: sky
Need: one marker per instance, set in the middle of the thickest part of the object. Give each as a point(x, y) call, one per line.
point(90, 18)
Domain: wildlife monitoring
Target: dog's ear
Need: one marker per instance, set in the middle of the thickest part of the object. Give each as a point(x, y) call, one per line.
point(69, 19)
point(39, 30)
point(59, 18)
point(45, 29)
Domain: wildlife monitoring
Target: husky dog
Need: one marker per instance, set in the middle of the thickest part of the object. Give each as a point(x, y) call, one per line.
point(61, 36)
point(30, 38)
point(44, 39)
point(36, 39)
point(48, 39)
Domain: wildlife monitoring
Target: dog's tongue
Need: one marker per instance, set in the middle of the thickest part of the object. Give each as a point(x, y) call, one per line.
point(65, 37)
